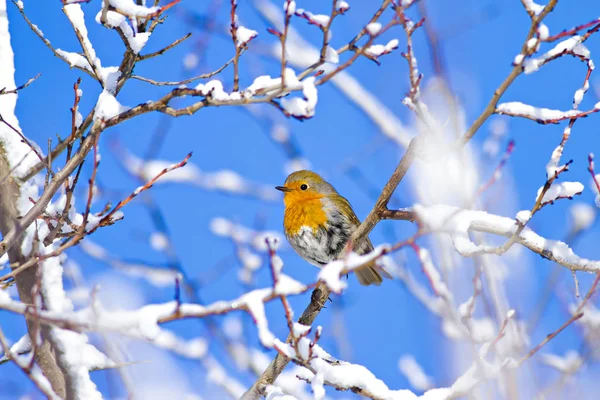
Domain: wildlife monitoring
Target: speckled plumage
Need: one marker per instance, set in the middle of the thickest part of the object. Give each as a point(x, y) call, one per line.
point(318, 222)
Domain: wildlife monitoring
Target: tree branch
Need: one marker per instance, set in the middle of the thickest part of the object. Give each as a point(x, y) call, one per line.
point(321, 292)
point(516, 71)
point(9, 195)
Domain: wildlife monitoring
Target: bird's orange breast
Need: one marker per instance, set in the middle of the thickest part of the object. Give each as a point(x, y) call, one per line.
point(305, 212)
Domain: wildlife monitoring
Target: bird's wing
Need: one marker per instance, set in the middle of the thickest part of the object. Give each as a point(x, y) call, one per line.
point(373, 272)
point(347, 210)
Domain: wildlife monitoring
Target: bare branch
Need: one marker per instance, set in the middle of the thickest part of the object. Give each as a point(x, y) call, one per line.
point(23, 86)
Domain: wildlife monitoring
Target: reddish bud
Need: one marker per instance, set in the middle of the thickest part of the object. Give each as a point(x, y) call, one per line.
point(275, 32)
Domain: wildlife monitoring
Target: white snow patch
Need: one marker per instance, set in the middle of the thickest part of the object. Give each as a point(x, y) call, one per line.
point(303, 107)
point(373, 28)
point(377, 50)
point(289, 7)
point(131, 9)
point(108, 106)
point(331, 55)
point(523, 216)
point(539, 114)
point(244, 35)
point(530, 5)
point(572, 44)
point(561, 190)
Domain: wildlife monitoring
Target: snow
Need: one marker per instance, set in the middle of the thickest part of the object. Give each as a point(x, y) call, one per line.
point(414, 373)
point(317, 386)
point(552, 168)
point(288, 285)
point(344, 375)
point(131, 9)
point(78, 118)
point(320, 20)
point(539, 114)
point(518, 59)
point(302, 108)
point(110, 76)
point(543, 31)
point(571, 44)
point(342, 6)
point(289, 7)
point(71, 347)
point(75, 15)
point(261, 82)
point(214, 90)
point(301, 330)
point(108, 106)
point(22, 346)
point(276, 393)
point(579, 93)
point(578, 97)
point(560, 191)
point(373, 28)
point(331, 55)
point(457, 223)
point(377, 50)
point(136, 40)
point(20, 5)
point(56, 208)
point(302, 54)
point(74, 59)
point(244, 35)
point(530, 5)
point(254, 302)
point(581, 50)
point(332, 273)
point(523, 216)
point(291, 80)
point(274, 84)
point(582, 216)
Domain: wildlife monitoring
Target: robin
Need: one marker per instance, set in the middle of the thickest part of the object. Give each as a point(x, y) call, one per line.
point(318, 223)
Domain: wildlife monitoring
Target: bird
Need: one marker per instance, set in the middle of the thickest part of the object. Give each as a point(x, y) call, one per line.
point(318, 222)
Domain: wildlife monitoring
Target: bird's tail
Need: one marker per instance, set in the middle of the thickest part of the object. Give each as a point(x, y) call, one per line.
point(371, 275)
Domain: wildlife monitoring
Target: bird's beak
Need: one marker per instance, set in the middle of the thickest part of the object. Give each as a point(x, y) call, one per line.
point(283, 188)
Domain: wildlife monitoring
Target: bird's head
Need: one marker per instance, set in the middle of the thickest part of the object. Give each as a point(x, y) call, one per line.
point(304, 186)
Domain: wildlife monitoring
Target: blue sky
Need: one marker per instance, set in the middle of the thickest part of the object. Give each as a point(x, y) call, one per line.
point(479, 41)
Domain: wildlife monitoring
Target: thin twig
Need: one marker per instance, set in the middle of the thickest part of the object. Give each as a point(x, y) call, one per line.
point(516, 71)
point(165, 49)
point(23, 86)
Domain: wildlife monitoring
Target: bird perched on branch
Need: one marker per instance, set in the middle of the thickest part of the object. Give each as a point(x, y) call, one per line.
point(318, 223)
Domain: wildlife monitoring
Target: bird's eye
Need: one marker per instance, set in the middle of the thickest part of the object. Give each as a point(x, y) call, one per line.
point(304, 186)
